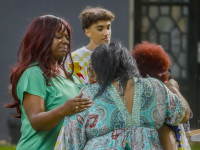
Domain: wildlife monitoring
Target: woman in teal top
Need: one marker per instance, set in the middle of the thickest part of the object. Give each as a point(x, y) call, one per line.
point(43, 90)
point(127, 110)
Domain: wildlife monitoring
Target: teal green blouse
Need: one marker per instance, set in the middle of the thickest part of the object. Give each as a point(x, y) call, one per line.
point(107, 124)
point(61, 89)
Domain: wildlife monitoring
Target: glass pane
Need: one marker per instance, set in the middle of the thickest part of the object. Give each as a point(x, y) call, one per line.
point(164, 24)
point(144, 10)
point(184, 74)
point(153, 36)
point(153, 12)
point(176, 12)
point(185, 43)
point(175, 71)
point(183, 24)
point(171, 58)
point(183, 60)
point(164, 10)
point(144, 37)
point(185, 10)
point(145, 24)
point(175, 42)
point(164, 41)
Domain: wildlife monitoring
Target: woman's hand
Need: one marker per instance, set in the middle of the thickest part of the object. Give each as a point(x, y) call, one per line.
point(76, 104)
point(171, 84)
point(42, 120)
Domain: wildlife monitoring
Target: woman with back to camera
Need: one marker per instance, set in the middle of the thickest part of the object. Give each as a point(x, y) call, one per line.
point(154, 62)
point(127, 109)
point(42, 89)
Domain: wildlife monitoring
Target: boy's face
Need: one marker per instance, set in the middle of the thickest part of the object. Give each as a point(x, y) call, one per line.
point(99, 32)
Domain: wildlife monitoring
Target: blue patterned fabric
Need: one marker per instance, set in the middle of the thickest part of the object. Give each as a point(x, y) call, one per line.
point(102, 126)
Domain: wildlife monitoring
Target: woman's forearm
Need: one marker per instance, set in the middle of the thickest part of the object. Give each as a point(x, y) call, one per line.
point(48, 120)
point(42, 120)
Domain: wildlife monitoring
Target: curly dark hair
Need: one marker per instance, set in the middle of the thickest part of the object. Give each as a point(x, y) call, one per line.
point(152, 60)
point(111, 61)
point(91, 15)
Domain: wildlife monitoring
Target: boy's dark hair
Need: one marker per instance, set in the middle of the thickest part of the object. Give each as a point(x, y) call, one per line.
point(92, 15)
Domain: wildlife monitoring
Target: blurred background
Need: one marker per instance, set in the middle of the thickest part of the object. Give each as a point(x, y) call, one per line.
point(174, 24)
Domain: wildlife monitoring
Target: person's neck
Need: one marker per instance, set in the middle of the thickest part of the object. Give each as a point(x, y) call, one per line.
point(55, 64)
point(91, 46)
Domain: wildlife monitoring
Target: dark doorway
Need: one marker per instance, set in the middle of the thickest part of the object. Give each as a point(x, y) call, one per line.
point(173, 24)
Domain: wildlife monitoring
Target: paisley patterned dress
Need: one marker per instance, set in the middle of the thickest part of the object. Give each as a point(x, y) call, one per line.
point(105, 126)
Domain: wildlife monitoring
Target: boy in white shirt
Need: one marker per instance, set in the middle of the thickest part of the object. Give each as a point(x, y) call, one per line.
point(96, 23)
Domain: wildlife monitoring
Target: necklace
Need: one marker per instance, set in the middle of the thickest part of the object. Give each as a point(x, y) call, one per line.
point(127, 147)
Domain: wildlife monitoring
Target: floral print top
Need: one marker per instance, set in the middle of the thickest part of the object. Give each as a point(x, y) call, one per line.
point(105, 126)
